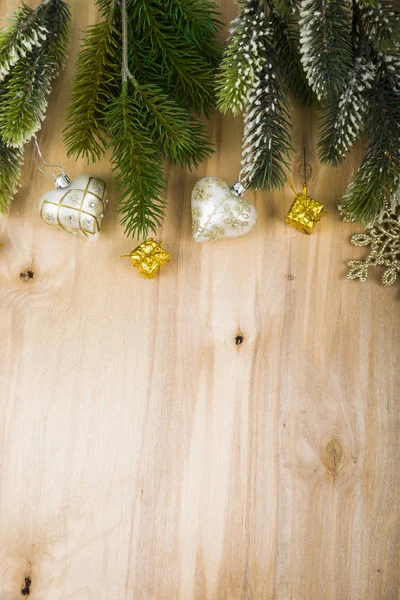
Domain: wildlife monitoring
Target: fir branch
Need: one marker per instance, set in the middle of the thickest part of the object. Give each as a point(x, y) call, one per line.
point(379, 173)
point(241, 59)
point(10, 174)
point(180, 137)
point(95, 84)
point(343, 119)
point(198, 21)
point(286, 42)
point(24, 102)
point(137, 167)
point(326, 45)
point(177, 62)
point(24, 33)
point(380, 22)
point(266, 141)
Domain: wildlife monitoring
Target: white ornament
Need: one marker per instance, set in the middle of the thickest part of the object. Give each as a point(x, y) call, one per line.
point(76, 206)
point(220, 211)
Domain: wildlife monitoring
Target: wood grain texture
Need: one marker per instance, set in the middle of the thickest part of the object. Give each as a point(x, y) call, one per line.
point(144, 455)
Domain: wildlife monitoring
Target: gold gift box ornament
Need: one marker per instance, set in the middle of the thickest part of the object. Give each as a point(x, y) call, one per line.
point(148, 258)
point(304, 212)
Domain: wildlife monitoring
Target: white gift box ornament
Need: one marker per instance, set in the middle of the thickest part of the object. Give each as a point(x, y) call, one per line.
point(76, 206)
point(220, 211)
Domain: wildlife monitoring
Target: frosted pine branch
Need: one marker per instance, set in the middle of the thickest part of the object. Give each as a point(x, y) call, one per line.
point(343, 120)
point(24, 33)
point(325, 44)
point(266, 141)
point(379, 22)
point(11, 160)
point(241, 60)
point(24, 97)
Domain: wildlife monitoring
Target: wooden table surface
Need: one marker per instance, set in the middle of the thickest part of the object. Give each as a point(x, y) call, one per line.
point(144, 455)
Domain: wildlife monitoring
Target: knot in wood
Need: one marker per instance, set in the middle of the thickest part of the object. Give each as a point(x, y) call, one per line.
point(28, 275)
point(333, 456)
point(26, 590)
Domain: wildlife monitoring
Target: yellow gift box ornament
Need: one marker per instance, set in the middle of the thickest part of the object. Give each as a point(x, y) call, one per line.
point(149, 257)
point(304, 212)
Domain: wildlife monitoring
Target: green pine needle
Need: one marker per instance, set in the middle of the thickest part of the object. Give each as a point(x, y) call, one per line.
point(343, 119)
point(380, 22)
point(179, 136)
point(241, 59)
point(326, 45)
point(170, 57)
point(95, 84)
point(137, 167)
point(10, 174)
point(24, 32)
point(379, 173)
point(26, 89)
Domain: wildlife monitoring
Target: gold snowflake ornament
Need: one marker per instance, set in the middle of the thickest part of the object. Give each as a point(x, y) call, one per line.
point(384, 239)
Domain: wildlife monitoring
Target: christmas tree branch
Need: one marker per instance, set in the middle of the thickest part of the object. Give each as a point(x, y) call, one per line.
point(138, 170)
point(343, 119)
point(26, 89)
point(326, 48)
point(25, 32)
point(10, 174)
point(379, 173)
point(95, 84)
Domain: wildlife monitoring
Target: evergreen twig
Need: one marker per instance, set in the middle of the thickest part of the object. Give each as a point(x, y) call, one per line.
point(32, 51)
point(326, 48)
point(139, 75)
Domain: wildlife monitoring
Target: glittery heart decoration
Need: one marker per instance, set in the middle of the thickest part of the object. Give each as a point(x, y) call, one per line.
point(220, 211)
point(76, 207)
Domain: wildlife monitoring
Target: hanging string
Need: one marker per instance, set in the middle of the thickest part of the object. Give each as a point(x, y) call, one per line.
point(37, 152)
point(304, 160)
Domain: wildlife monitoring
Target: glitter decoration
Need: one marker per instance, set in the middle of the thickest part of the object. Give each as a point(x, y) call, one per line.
point(384, 240)
point(148, 258)
point(76, 207)
point(220, 211)
point(304, 212)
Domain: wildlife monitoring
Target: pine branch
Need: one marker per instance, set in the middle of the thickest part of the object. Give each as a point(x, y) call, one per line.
point(286, 42)
point(180, 137)
point(176, 62)
point(266, 141)
point(96, 82)
point(380, 22)
point(139, 74)
point(326, 45)
point(138, 169)
point(10, 174)
point(379, 173)
point(24, 102)
point(343, 119)
point(24, 33)
point(198, 21)
point(241, 59)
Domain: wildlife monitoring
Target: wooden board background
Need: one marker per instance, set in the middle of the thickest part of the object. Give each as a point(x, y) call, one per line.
point(143, 454)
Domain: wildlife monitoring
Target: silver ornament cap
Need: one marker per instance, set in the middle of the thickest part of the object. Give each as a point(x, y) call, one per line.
point(238, 188)
point(62, 181)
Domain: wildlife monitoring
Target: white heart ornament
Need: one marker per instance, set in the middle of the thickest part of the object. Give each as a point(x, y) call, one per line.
point(76, 206)
point(220, 211)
